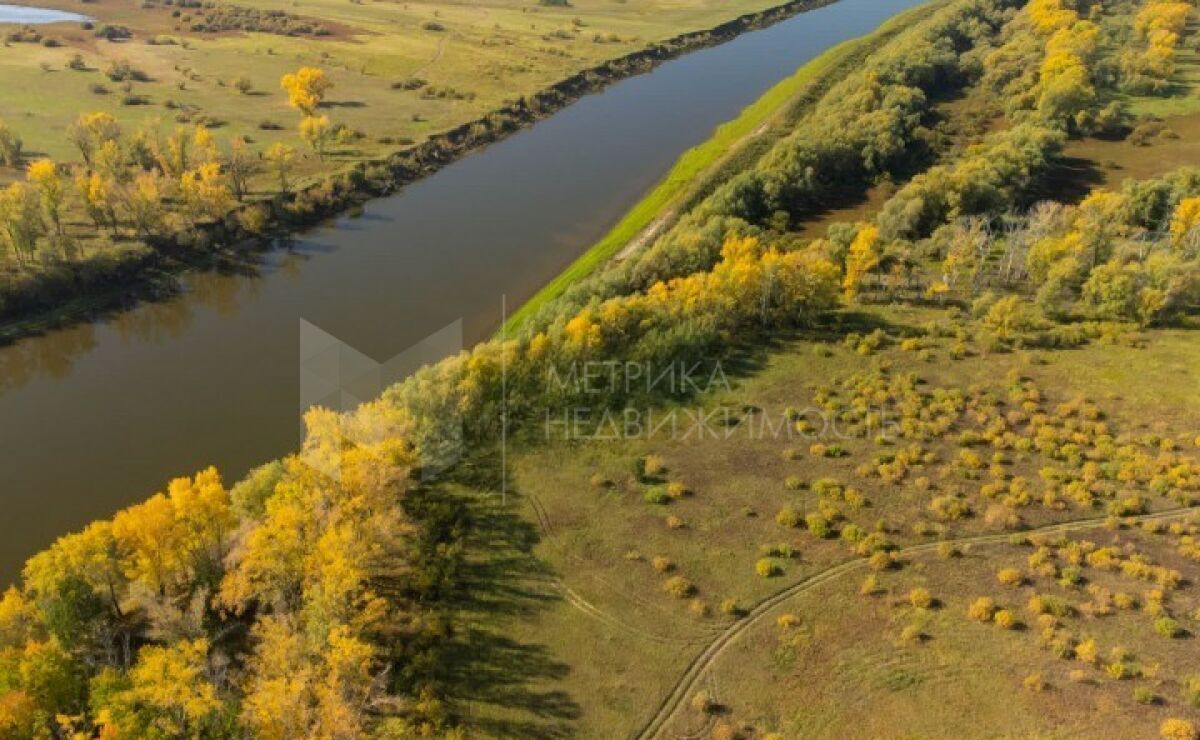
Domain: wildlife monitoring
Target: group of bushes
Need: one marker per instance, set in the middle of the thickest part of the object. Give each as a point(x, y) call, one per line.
point(223, 17)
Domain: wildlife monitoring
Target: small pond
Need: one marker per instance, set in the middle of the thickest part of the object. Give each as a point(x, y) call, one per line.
point(26, 15)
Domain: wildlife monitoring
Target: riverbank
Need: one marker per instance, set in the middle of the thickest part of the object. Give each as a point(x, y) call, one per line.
point(111, 282)
point(731, 148)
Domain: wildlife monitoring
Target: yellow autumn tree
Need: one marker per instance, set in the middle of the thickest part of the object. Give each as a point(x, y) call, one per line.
point(91, 130)
point(860, 260)
point(1184, 221)
point(204, 192)
point(282, 158)
point(317, 131)
point(96, 191)
point(44, 176)
point(1162, 16)
point(20, 223)
point(143, 201)
point(166, 540)
point(306, 88)
point(171, 684)
point(1048, 16)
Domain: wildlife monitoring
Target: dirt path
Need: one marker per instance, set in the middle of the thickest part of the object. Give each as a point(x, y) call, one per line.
point(693, 673)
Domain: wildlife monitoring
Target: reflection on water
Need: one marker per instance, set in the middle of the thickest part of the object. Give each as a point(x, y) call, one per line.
point(25, 360)
point(93, 418)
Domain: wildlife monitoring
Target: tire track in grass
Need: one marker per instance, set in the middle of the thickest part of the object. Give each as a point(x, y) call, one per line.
point(577, 601)
point(704, 660)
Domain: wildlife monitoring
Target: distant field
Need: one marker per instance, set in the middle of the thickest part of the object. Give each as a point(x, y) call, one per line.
point(471, 57)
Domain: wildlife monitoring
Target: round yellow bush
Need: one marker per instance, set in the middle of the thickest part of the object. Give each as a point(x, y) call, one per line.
point(679, 587)
point(1177, 729)
point(654, 465)
point(1010, 576)
point(920, 598)
point(982, 609)
point(1005, 618)
point(662, 564)
point(767, 568)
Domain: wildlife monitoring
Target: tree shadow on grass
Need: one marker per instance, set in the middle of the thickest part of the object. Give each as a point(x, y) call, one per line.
point(501, 686)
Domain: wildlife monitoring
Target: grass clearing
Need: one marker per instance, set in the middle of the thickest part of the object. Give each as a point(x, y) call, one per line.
point(599, 538)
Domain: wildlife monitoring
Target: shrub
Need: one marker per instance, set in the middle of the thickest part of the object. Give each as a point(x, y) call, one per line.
point(1086, 651)
point(121, 70)
point(1177, 729)
point(911, 634)
point(1145, 695)
point(788, 517)
point(881, 560)
point(1041, 604)
point(1123, 600)
point(662, 564)
point(674, 522)
point(699, 608)
point(947, 550)
point(949, 508)
point(787, 621)
point(1010, 577)
point(653, 466)
point(818, 525)
point(793, 483)
point(656, 495)
point(243, 85)
point(731, 607)
point(870, 586)
point(782, 550)
point(1005, 619)
point(982, 609)
point(679, 587)
point(599, 481)
point(703, 702)
point(1035, 682)
point(1191, 690)
point(676, 489)
point(1167, 627)
point(767, 568)
point(920, 598)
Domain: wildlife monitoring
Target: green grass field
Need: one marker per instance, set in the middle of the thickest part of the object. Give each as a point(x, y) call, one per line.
point(621, 641)
point(642, 596)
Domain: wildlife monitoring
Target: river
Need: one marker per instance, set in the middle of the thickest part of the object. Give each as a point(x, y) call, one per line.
point(98, 416)
point(29, 15)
